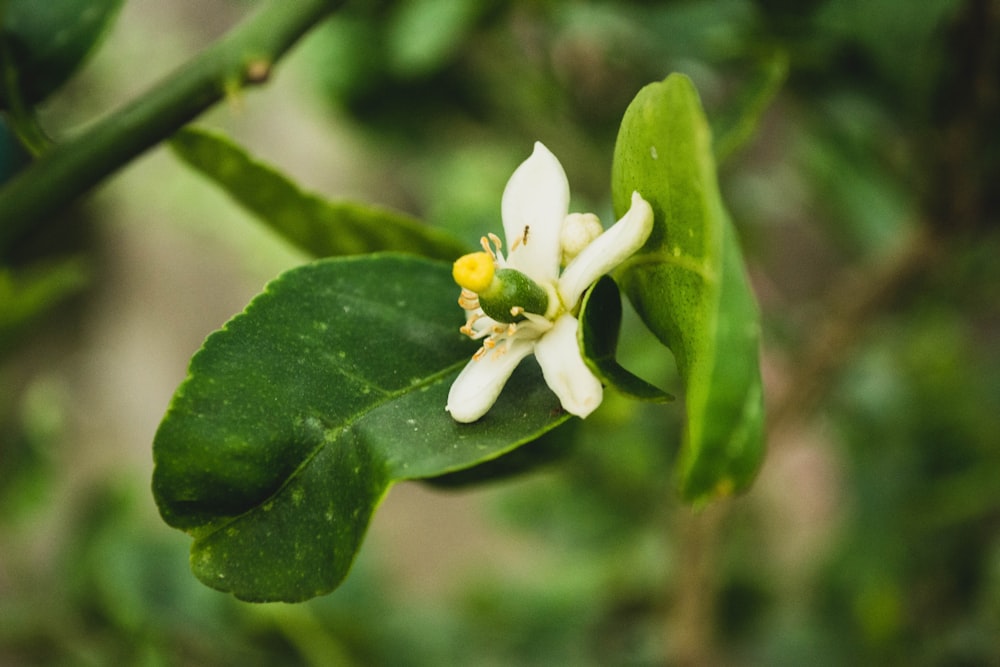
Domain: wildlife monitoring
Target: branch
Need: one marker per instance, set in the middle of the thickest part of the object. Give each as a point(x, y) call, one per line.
point(851, 307)
point(856, 299)
point(244, 56)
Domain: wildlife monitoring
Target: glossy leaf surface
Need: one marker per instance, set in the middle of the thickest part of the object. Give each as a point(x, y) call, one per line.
point(319, 227)
point(689, 285)
point(302, 411)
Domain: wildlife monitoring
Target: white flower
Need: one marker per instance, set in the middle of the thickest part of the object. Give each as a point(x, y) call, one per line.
point(521, 304)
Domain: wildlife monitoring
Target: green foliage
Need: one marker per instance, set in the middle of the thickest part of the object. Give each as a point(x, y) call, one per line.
point(261, 484)
point(44, 43)
point(302, 411)
point(319, 227)
point(844, 126)
point(690, 287)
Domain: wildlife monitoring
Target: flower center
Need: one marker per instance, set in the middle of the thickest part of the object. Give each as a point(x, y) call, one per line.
point(511, 294)
point(504, 294)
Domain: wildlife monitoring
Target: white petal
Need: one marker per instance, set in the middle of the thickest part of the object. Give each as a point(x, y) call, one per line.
point(607, 251)
point(477, 387)
point(534, 204)
point(565, 371)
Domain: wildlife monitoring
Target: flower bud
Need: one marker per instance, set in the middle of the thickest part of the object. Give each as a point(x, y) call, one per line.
point(576, 233)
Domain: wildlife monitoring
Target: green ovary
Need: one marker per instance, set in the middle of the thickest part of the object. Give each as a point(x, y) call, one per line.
point(509, 294)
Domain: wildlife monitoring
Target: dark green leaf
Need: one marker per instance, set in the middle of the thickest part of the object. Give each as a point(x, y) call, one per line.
point(319, 227)
point(600, 324)
point(46, 42)
point(689, 285)
point(302, 411)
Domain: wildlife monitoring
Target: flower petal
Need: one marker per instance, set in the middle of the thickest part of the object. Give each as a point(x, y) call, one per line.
point(477, 387)
point(565, 371)
point(534, 204)
point(607, 251)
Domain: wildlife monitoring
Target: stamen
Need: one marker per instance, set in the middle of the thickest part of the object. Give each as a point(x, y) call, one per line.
point(468, 300)
point(516, 311)
point(492, 244)
point(540, 321)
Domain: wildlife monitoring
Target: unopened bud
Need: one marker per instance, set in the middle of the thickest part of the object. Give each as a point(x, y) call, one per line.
point(576, 233)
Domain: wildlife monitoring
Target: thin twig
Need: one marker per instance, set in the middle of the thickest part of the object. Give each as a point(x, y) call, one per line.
point(244, 56)
point(851, 307)
point(855, 300)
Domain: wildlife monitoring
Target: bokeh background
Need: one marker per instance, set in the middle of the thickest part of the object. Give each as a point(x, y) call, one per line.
point(860, 166)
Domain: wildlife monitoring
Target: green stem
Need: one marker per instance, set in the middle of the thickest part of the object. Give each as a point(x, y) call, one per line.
point(244, 56)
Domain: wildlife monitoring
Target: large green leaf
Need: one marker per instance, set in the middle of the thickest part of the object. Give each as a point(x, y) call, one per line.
point(689, 285)
point(320, 227)
point(302, 411)
point(44, 42)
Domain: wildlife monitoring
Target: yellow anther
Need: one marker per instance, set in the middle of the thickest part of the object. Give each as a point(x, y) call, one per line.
point(474, 271)
point(517, 310)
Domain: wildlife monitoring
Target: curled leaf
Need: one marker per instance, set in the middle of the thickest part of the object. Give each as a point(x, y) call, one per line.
point(689, 285)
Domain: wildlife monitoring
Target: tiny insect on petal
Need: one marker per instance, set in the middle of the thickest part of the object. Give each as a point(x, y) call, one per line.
point(520, 304)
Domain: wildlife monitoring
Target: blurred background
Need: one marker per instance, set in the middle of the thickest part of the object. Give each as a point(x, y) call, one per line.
point(860, 160)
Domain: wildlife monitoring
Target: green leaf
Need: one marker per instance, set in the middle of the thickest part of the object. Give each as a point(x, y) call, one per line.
point(319, 227)
point(302, 411)
point(44, 43)
point(689, 285)
point(552, 447)
point(600, 324)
